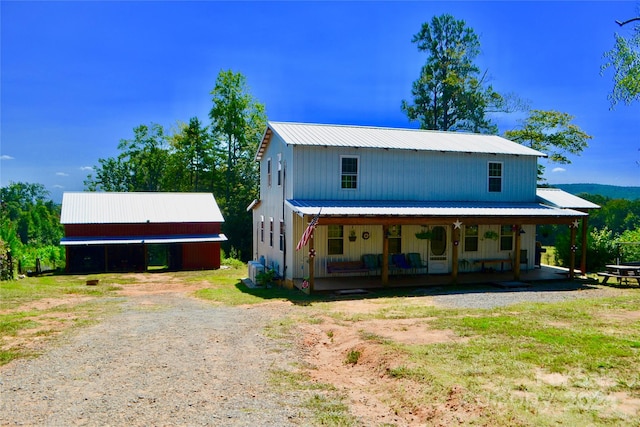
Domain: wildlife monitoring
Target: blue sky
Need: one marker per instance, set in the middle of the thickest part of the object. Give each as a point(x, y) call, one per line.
point(77, 77)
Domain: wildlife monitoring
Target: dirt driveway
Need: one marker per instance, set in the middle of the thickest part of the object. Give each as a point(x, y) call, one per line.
point(165, 359)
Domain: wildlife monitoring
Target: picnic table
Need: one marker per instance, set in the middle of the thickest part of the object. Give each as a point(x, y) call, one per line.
point(621, 272)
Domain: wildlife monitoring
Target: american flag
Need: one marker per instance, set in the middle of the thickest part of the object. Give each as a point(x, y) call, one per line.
point(308, 232)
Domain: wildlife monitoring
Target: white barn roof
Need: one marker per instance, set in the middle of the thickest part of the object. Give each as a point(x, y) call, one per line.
point(136, 208)
point(391, 138)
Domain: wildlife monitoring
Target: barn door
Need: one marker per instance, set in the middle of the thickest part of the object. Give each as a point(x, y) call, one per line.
point(438, 258)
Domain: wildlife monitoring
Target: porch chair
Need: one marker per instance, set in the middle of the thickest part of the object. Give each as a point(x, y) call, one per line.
point(371, 262)
point(400, 262)
point(416, 261)
point(392, 266)
point(524, 259)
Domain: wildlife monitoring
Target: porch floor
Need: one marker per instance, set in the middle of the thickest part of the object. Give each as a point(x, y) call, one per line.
point(407, 280)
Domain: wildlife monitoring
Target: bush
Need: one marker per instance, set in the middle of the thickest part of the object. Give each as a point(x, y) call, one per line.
point(601, 248)
point(6, 267)
point(631, 251)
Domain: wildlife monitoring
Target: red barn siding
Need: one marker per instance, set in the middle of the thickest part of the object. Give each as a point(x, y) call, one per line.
point(113, 230)
point(200, 256)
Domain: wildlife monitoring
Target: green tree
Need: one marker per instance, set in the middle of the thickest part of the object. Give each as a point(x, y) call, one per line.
point(237, 122)
point(624, 58)
point(140, 165)
point(552, 133)
point(194, 160)
point(450, 93)
point(29, 223)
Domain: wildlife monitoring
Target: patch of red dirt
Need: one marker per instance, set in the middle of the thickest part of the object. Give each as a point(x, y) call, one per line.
point(375, 396)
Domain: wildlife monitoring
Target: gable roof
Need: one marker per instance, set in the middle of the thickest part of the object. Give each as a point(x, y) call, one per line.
point(561, 199)
point(137, 208)
point(390, 138)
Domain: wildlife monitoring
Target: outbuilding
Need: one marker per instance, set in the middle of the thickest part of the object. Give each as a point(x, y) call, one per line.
point(120, 232)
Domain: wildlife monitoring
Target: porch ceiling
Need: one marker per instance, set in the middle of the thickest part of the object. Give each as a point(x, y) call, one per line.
point(424, 212)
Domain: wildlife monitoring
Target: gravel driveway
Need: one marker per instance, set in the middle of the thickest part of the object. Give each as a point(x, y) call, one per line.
point(170, 359)
point(166, 359)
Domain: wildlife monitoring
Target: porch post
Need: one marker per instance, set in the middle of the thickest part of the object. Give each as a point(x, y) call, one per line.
point(312, 262)
point(455, 238)
point(385, 255)
point(572, 256)
point(583, 257)
point(516, 255)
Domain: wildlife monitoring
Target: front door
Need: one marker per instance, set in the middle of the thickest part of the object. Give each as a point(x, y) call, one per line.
point(438, 259)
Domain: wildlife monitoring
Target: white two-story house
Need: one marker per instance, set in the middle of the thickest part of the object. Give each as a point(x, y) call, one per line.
point(461, 202)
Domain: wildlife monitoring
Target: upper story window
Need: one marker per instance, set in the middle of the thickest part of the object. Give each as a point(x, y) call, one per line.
point(495, 177)
point(349, 172)
point(262, 228)
point(279, 169)
point(269, 172)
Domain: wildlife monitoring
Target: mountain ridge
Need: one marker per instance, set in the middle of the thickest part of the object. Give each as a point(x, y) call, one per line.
point(611, 191)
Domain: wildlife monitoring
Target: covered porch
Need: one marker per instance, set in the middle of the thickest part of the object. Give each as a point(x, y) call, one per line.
point(384, 216)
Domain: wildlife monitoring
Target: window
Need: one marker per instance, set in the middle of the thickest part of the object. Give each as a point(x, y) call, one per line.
point(495, 177)
point(262, 229)
point(270, 231)
point(349, 172)
point(335, 240)
point(282, 235)
point(269, 172)
point(279, 169)
point(395, 239)
point(470, 238)
point(506, 238)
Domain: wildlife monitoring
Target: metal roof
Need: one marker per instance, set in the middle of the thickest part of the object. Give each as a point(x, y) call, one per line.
point(129, 240)
point(425, 208)
point(562, 199)
point(391, 138)
point(136, 208)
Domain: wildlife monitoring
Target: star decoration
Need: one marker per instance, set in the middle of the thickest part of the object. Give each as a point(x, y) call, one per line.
point(457, 224)
point(576, 223)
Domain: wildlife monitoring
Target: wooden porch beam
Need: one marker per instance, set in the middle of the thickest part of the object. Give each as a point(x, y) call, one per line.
point(475, 220)
point(455, 239)
point(516, 255)
point(385, 256)
point(572, 252)
point(583, 255)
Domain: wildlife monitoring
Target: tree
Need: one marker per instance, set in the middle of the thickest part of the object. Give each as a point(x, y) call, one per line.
point(450, 93)
point(552, 133)
point(193, 160)
point(237, 121)
point(624, 58)
point(139, 166)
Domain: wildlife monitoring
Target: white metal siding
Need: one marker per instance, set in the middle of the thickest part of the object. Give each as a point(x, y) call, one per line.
point(353, 251)
point(411, 175)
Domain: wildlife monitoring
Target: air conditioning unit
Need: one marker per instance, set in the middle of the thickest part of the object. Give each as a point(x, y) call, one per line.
point(254, 268)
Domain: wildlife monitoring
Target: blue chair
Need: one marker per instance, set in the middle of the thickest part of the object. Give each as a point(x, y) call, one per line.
point(371, 262)
point(400, 262)
point(416, 261)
